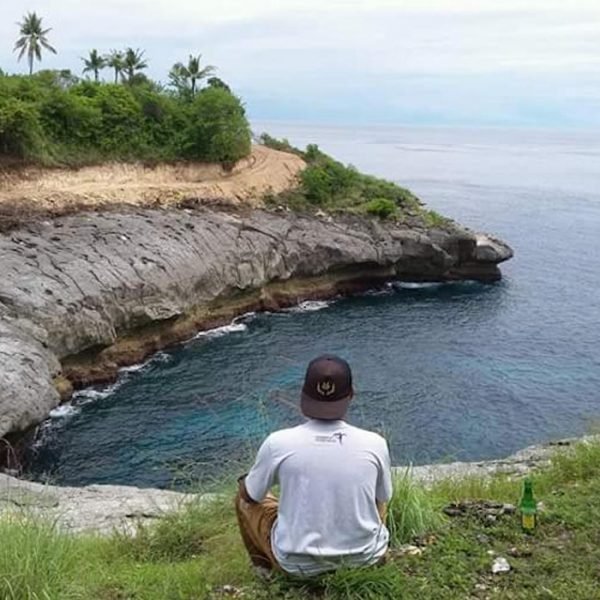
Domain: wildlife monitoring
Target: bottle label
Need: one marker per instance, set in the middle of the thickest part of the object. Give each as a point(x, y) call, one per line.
point(528, 521)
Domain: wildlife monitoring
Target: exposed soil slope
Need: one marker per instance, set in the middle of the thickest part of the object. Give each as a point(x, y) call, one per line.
point(59, 191)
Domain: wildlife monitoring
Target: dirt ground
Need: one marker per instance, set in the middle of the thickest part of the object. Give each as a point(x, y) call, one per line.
point(32, 190)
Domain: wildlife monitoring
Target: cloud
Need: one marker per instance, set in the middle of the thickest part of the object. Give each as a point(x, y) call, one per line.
point(441, 60)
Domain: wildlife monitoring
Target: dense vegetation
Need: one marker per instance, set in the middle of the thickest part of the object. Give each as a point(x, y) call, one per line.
point(329, 185)
point(54, 118)
point(197, 553)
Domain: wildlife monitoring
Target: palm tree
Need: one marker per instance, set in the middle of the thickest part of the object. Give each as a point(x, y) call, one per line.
point(185, 76)
point(133, 62)
point(115, 60)
point(94, 64)
point(32, 39)
point(179, 79)
point(195, 73)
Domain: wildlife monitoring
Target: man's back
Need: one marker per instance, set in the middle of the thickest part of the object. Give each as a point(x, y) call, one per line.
point(331, 474)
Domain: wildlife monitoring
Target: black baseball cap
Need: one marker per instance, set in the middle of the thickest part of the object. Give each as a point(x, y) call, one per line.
point(327, 388)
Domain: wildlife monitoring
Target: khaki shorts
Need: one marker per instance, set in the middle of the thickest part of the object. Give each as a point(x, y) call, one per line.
point(256, 521)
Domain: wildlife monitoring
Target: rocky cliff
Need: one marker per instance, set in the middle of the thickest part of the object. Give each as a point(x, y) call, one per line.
point(82, 295)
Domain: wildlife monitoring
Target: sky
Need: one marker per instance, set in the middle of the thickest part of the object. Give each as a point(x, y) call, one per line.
point(523, 63)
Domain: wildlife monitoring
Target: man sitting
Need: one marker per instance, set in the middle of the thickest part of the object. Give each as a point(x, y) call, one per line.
point(334, 479)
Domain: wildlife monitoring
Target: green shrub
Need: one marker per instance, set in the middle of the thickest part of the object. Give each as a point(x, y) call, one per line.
point(281, 145)
point(381, 207)
point(432, 218)
point(54, 118)
point(218, 130)
point(70, 119)
point(20, 132)
point(373, 188)
point(326, 179)
point(329, 184)
point(122, 121)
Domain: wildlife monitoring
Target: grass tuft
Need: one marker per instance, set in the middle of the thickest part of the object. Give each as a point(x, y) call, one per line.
point(413, 511)
point(34, 558)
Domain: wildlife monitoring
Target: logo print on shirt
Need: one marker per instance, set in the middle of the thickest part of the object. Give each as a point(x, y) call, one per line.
point(340, 436)
point(331, 439)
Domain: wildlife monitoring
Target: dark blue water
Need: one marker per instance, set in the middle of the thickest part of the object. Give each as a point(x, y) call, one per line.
point(461, 371)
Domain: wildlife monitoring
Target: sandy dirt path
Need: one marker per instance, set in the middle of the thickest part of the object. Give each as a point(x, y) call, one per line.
point(56, 190)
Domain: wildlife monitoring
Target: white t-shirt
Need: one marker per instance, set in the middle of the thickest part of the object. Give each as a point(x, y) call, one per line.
point(330, 474)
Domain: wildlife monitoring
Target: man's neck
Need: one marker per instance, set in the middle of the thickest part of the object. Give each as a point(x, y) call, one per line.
point(326, 422)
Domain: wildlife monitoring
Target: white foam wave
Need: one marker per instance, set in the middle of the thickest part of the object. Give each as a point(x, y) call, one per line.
point(245, 317)
point(413, 285)
point(134, 368)
point(88, 395)
point(310, 306)
point(224, 330)
point(63, 411)
point(162, 357)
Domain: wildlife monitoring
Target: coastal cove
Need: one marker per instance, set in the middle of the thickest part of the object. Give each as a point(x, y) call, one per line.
point(453, 372)
point(152, 278)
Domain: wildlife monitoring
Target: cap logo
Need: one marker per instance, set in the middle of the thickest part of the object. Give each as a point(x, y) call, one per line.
point(326, 387)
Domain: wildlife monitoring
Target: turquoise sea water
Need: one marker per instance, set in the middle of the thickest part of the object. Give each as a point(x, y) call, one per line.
point(461, 371)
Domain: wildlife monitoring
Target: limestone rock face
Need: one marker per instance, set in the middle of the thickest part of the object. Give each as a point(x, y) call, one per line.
point(26, 372)
point(78, 284)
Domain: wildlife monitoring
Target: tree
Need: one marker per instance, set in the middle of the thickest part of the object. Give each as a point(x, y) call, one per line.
point(94, 64)
point(179, 79)
point(32, 39)
point(184, 77)
point(218, 130)
point(196, 73)
point(116, 60)
point(133, 62)
point(215, 82)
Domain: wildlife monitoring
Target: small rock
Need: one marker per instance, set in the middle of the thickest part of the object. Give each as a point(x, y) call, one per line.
point(509, 509)
point(483, 539)
point(454, 510)
point(491, 518)
point(519, 552)
point(409, 550)
point(229, 590)
point(491, 552)
point(481, 587)
point(500, 565)
point(320, 214)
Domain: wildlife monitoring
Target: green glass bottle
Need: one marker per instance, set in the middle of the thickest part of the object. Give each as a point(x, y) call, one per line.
point(528, 508)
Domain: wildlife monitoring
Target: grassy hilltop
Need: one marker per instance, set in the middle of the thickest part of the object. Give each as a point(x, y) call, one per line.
point(197, 553)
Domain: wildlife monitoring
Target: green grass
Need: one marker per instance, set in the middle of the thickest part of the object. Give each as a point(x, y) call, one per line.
point(328, 185)
point(195, 552)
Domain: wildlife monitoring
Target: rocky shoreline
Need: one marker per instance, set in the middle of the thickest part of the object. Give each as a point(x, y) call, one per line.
point(104, 508)
point(83, 295)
